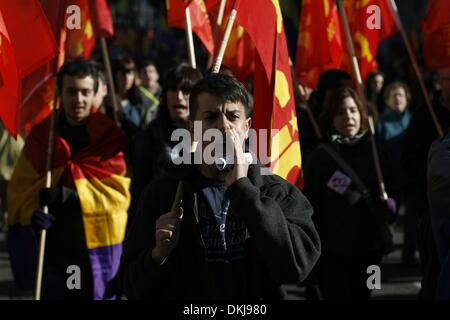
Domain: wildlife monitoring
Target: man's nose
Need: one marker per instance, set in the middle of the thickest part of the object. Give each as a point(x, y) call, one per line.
point(223, 124)
point(79, 96)
point(180, 95)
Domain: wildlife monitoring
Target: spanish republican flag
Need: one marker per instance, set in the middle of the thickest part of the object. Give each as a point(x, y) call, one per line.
point(362, 17)
point(319, 45)
point(96, 172)
point(201, 24)
point(273, 95)
point(436, 35)
point(23, 26)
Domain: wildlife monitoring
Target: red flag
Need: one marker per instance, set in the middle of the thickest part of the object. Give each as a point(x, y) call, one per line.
point(101, 19)
point(39, 87)
point(273, 93)
point(95, 22)
point(240, 53)
point(27, 27)
point(201, 24)
point(436, 35)
point(9, 81)
point(319, 45)
point(367, 34)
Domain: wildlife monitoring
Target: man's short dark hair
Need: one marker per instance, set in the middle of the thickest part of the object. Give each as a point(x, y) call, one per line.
point(80, 68)
point(224, 87)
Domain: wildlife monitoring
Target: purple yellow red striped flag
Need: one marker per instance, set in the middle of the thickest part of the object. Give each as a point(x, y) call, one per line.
point(97, 172)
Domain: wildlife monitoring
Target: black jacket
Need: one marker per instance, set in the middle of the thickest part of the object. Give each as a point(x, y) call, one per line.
point(282, 244)
point(419, 137)
point(346, 225)
point(150, 152)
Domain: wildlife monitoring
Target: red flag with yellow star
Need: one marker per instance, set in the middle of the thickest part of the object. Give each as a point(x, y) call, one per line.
point(273, 94)
point(319, 45)
point(95, 22)
point(201, 24)
point(363, 17)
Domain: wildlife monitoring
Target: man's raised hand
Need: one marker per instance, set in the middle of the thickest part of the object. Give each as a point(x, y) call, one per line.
point(167, 235)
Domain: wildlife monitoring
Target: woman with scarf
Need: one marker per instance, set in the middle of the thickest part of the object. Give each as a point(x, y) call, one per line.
point(342, 186)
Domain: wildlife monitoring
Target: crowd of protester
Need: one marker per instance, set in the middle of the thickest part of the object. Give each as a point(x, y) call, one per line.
point(237, 233)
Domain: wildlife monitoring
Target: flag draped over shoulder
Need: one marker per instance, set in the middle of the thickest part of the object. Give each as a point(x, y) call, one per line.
point(27, 44)
point(319, 45)
point(201, 24)
point(98, 174)
point(436, 35)
point(273, 96)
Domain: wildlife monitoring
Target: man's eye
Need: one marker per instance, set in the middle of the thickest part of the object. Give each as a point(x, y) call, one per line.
point(210, 117)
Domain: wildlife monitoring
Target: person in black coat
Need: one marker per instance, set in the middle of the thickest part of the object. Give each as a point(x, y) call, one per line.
point(419, 137)
point(348, 224)
point(151, 148)
point(240, 233)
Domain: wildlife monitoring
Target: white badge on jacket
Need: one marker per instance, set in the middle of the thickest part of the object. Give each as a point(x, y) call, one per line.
point(339, 182)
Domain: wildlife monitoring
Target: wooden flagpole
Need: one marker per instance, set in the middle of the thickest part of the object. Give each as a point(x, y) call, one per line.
point(190, 39)
point(217, 27)
point(362, 96)
point(48, 183)
point(109, 76)
point(413, 59)
point(225, 39)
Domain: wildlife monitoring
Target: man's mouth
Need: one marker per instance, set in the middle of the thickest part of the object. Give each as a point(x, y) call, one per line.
point(78, 108)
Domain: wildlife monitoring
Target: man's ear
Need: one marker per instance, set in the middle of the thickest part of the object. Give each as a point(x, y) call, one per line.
point(248, 124)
